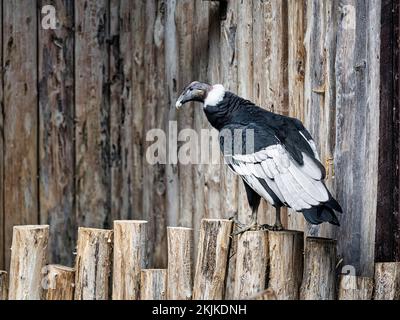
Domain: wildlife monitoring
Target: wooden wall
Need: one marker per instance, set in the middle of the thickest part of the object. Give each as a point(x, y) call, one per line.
point(78, 102)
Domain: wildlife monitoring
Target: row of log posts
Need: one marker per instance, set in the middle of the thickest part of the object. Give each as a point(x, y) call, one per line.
point(269, 265)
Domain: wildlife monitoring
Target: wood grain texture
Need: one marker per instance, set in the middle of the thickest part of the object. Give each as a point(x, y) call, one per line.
point(296, 78)
point(285, 263)
point(357, 122)
point(251, 264)
point(355, 288)
point(93, 264)
point(153, 284)
point(92, 114)
point(3, 285)
point(60, 281)
point(212, 259)
point(28, 258)
point(56, 131)
point(387, 242)
point(387, 281)
point(121, 108)
point(130, 239)
point(319, 278)
point(180, 263)
point(20, 116)
point(2, 150)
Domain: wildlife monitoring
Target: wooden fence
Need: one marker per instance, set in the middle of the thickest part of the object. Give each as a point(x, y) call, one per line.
point(268, 266)
point(78, 101)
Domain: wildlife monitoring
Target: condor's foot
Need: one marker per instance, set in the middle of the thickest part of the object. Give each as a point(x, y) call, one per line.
point(253, 226)
point(275, 227)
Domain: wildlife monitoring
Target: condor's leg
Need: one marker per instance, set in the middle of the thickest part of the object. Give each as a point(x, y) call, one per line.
point(254, 202)
point(278, 224)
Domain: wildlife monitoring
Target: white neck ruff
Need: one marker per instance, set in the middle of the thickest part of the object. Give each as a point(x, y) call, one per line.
point(215, 96)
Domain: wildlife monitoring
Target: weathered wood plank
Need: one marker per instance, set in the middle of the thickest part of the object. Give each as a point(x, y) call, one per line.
point(296, 75)
point(387, 281)
point(2, 150)
point(3, 285)
point(356, 158)
point(184, 29)
point(92, 114)
point(20, 116)
point(319, 89)
point(121, 112)
point(387, 243)
point(171, 78)
point(229, 181)
point(56, 131)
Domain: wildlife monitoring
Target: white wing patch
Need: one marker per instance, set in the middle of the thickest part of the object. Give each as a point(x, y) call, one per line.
point(299, 186)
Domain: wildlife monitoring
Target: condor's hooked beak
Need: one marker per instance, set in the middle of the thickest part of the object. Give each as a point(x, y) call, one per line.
point(186, 96)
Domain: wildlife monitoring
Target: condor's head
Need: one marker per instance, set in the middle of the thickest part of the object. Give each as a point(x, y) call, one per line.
point(201, 92)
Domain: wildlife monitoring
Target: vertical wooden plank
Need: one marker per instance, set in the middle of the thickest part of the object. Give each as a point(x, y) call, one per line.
point(171, 78)
point(121, 112)
point(387, 239)
point(245, 81)
point(201, 37)
point(184, 25)
point(229, 181)
point(2, 150)
point(56, 130)
point(213, 169)
point(357, 82)
point(20, 116)
point(138, 86)
point(92, 114)
point(154, 69)
point(296, 73)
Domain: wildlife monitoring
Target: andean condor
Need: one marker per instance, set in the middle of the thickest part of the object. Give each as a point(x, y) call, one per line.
point(284, 167)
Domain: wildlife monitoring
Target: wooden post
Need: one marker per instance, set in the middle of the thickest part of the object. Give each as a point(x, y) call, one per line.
point(319, 269)
point(28, 257)
point(355, 288)
point(129, 258)
point(93, 264)
point(286, 263)
point(60, 283)
point(387, 281)
point(180, 265)
point(251, 264)
point(153, 284)
point(212, 258)
point(3, 285)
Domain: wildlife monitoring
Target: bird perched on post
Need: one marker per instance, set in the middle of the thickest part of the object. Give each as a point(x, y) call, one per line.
point(282, 165)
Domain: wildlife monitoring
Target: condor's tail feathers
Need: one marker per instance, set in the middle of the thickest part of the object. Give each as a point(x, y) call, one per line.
point(323, 213)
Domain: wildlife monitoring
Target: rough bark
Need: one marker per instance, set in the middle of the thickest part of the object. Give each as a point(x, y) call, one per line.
point(251, 264)
point(28, 258)
point(286, 263)
point(355, 288)
point(387, 281)
point(212, 259)
point(60, 283)
point(180, 264)
point(130, 239)
point(93, 264)
point(153, 284)
point(319, 269)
